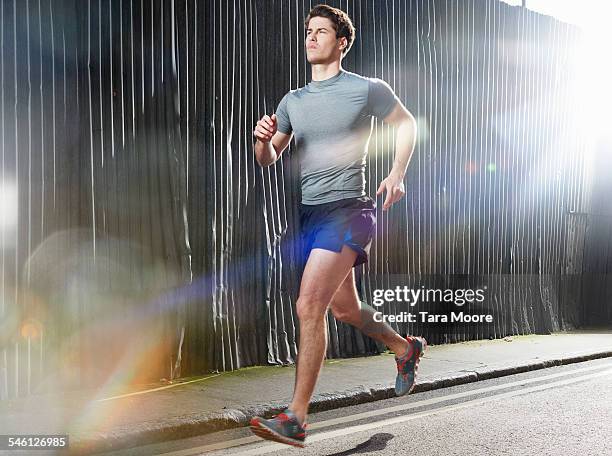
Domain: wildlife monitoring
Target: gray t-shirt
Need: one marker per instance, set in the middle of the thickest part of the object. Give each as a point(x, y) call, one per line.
point(332, 123)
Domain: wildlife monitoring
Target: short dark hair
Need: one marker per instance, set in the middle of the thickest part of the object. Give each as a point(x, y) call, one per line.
point(342, 23)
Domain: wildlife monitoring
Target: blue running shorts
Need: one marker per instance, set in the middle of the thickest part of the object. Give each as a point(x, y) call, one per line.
point(329, 226)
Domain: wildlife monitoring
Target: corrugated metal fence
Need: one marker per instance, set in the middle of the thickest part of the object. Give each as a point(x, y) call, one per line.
point(146, 242)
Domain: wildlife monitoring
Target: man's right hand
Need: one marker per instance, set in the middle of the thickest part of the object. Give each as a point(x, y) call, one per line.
point(265, 128)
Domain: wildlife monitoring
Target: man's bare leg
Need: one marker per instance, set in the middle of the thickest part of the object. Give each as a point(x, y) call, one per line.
point(323, 274)
point(347, 308)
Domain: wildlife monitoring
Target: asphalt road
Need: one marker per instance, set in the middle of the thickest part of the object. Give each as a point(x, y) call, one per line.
point(562, 410)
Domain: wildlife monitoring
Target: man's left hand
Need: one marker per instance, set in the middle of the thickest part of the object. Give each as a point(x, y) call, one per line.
point(394, 186)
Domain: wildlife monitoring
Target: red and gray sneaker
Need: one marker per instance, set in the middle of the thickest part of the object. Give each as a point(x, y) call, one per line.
point(408, 365)
point(284, 428)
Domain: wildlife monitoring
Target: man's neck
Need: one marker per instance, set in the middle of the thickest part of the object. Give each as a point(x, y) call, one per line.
point(323, 71)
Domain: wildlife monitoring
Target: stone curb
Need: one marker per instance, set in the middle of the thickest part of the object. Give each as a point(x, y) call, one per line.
point(194, 425)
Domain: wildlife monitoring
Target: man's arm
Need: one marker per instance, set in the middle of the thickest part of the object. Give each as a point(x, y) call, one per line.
point(270, 142)
point(406, 128)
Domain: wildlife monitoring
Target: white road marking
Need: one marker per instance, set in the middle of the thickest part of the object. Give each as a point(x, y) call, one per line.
point(401, 419)
point(403, 407)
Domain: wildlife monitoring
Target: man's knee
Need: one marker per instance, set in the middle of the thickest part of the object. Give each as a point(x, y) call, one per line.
point(311, 307)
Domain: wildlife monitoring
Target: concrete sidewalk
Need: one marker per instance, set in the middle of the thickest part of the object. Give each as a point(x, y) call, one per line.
point(107, 420)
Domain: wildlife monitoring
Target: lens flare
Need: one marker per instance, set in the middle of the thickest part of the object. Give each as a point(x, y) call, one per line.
point(8, 205)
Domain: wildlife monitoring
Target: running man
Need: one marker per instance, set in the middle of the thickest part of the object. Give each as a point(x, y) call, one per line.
point(331, 118)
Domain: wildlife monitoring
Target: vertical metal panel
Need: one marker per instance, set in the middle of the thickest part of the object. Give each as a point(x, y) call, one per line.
point(149, 243)
point(93, 272)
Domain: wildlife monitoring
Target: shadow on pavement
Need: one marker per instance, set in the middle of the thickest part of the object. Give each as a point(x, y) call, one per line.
point(377, 442)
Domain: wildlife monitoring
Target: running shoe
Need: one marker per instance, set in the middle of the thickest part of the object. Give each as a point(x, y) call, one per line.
point(408, 365)
point(283, 428)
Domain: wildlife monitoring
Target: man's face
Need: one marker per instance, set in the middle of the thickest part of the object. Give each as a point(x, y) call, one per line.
point(322, 46)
